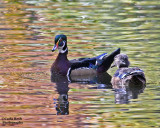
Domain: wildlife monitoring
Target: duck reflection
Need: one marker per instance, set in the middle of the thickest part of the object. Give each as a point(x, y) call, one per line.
point(62, 104)
point(125, 93)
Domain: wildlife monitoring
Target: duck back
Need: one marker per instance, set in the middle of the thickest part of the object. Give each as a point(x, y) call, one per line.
point(129, 76)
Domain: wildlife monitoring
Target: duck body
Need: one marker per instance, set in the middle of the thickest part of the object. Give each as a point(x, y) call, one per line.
point(129, 76)
point(81, 66)
point(133, 76)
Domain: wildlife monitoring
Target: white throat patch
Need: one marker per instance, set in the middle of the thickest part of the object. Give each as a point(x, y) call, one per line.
point(61, 50)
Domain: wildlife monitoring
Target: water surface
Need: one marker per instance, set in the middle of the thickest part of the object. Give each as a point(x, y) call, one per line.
point(27, 30)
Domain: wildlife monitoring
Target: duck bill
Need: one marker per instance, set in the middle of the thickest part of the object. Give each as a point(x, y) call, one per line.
point(123, 63)
point(54, 48)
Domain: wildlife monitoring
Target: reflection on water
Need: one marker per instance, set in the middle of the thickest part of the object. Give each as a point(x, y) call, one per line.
point(102, 81)
point(93, 27)
point(124, 95)
point(62, 105)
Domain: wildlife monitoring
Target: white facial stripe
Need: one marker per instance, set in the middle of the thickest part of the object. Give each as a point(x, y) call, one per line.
point(60, 48)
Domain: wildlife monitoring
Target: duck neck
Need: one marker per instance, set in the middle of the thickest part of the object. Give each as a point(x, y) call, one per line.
point(62, 55)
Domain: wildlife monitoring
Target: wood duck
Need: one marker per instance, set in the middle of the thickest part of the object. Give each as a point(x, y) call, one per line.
point(127, 76)
point(81, 66)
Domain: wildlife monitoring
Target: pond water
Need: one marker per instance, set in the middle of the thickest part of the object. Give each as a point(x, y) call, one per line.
point(30, 98)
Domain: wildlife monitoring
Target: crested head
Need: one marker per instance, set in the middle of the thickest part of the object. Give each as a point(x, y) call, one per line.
point(121, 60)
point(61, 36)
point(60, 43)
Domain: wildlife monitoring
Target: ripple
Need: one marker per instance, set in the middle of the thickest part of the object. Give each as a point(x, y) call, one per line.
point(27, 30)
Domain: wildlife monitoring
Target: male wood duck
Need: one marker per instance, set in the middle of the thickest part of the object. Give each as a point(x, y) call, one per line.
point(81, 66)
point(125, 75)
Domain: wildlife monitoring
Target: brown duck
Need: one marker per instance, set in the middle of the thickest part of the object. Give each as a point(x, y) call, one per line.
point(133, 76)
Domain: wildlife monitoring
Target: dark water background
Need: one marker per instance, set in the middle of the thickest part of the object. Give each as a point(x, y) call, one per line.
point(27, 30)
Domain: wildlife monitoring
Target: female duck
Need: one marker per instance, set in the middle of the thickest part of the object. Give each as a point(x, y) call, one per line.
point(127, 76)
point(81, 66)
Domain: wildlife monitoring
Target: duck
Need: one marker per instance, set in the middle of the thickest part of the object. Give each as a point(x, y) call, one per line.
point(81, 66)
point(125, 75)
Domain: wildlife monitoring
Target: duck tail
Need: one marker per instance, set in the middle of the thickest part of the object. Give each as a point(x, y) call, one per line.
point(107, 61)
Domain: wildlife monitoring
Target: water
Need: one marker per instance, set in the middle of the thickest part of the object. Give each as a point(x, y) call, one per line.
point(28, 96)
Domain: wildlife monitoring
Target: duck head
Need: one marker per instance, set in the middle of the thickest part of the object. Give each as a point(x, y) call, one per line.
point(121, 60)
point(60, 43)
